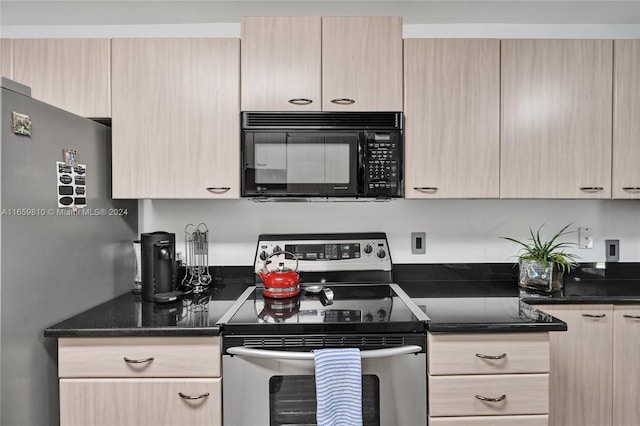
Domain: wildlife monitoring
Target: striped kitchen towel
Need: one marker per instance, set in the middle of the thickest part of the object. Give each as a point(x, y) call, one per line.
point(338, 387)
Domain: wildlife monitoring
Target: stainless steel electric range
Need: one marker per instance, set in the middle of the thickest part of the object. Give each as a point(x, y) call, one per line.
point(347, 300)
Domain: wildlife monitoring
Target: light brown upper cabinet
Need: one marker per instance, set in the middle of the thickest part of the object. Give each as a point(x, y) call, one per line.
point(72, 74)
point(556, 119)
point(176, 113)
point(6, 58)
point(321, 64)
point(626, 119)
point(452, 118)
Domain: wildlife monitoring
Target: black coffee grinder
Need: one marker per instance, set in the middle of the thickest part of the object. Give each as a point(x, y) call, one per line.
point(158, 255)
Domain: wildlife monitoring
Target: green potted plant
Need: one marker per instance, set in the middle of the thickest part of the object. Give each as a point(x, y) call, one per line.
point(543, 262)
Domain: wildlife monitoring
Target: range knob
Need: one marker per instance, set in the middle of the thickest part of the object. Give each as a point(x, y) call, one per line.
point(381, 254)
point(277, 249)
point(382, 314)
point(368, 318)
point(263, 255)
point(368, 249)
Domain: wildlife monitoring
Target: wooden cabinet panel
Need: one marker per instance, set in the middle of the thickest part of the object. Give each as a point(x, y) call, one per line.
point(172, 357)
point(452, 120)
point(6, 57)
point(537, 420)
point(362, 61)
point(148, 402)
point(281, 63)
point(176, 108)
point(470, 353)
point(456, 395)
point(626, 367)
point(581, 366)
point(626, 122)
point(72, 74)
point(556, 118)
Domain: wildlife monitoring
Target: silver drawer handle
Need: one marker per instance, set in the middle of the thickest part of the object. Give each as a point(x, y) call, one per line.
point(203, 395)
point(498, 399)
point(300, 101)
point(591, 188)
point(631, 316)
point(426, 188)
point(491, 356)
point(138, 361)
point(343, 101)
point(594, 315)
point(218, 189)
point(631, 188)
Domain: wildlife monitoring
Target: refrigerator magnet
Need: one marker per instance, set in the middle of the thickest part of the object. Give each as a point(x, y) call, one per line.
point(21, 124)
point(70, 157)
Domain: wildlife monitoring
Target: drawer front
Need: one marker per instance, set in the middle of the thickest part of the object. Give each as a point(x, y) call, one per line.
point(147, 357)
point(460, 395)
point(140, 402)
point(488, 353)
point(490, 421)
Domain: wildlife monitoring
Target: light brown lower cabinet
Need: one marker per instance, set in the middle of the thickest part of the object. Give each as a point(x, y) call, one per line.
point(595, 372)
point(140, 381)
point(488, 379)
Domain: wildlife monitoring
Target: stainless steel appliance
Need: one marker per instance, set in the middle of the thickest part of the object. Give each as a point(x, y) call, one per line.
point(348, 300)
point(322, 154)
point(55, 262)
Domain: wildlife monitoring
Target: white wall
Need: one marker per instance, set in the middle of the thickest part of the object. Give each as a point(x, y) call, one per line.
point(457, 230)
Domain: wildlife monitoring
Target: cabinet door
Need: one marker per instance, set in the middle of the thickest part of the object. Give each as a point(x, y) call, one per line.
point(626, 369)
point(361, 64)
point(581, 366)
point(6, 58)
point(452, 139)
point(626, 125)
point(140, 402)
point(175, 124)
point(72, 74)
point(556, 118)
point(281, 64)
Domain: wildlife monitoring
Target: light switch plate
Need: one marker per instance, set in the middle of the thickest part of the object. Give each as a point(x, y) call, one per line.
point(585, 238)
point(418, 242)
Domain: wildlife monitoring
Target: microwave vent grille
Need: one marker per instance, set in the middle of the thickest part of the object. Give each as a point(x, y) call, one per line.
point(322, 120)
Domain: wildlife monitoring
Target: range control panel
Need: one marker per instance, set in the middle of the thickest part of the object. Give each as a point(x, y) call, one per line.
point(325, 252)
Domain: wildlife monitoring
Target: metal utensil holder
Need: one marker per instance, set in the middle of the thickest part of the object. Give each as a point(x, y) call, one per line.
point(196, 240)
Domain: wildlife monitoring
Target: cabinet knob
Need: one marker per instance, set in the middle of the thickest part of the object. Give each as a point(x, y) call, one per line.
point(202, 395)
point(218, 189)
point(498, 399)
point(591, 188)
point(138, 361)
point(343, 101)
point(483, 356)
point(300, 101)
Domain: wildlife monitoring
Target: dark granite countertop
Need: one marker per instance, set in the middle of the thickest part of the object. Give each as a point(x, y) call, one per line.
point(456, 297)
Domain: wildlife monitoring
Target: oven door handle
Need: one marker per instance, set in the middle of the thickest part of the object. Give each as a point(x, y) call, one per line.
point(308, 356)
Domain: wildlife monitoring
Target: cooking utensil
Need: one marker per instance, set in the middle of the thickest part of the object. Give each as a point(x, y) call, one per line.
point(281, 282)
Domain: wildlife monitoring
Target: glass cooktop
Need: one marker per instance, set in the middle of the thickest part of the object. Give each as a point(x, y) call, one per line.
point(368, 308)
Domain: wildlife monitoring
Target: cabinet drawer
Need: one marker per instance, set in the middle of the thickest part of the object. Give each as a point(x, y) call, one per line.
point(490, 421)
point(477, 353)
point(140, 402)
point(457, 395)
point(167, 357)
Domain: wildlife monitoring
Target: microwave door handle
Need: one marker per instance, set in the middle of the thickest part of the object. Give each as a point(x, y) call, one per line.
point(362, 147)
point(308, 356)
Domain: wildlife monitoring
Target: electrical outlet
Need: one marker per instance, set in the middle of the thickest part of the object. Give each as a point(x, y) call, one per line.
point(612, 250)
point(418, 242)
point(585, 238)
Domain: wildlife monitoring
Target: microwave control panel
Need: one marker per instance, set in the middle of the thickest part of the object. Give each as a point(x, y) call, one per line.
point(382, 166)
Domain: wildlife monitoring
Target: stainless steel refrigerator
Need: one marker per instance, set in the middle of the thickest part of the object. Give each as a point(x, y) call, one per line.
point(59, 255)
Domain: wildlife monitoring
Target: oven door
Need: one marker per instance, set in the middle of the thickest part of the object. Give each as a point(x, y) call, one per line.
point(268, 388)
point(302, 163)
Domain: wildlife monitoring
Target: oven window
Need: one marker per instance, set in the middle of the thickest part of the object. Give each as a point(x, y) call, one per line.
point(303, 158)
point(292, 400)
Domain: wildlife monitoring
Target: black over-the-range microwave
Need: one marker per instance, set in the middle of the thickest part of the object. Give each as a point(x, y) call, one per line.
point(322, 154)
